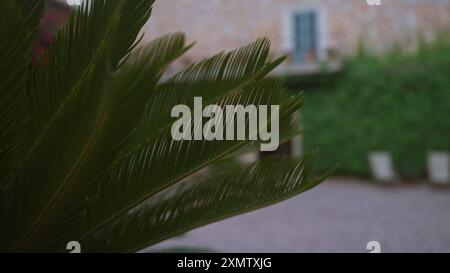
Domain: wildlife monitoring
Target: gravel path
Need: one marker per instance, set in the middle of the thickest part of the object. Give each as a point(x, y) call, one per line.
point(341, 215)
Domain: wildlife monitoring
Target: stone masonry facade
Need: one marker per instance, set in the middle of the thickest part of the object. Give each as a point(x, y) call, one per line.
point(340, 25)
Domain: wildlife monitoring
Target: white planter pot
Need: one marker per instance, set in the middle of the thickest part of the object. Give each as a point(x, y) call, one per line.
point(439, 167)
point(381, 166)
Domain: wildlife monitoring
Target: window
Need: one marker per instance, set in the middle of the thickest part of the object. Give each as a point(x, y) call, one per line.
point(305, 37)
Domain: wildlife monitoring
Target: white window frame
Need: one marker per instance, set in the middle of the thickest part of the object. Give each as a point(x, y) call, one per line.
point(288, 42)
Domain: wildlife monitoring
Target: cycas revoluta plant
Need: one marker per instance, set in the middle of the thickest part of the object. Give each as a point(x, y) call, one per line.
point(86, 150)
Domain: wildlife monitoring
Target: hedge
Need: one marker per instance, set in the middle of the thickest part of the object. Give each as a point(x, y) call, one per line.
point(398, 103)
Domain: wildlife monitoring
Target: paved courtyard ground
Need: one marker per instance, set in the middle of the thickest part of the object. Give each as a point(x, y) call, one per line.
point(341, 215)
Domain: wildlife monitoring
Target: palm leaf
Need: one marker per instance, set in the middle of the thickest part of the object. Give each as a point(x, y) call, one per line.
point(163, 162)
point(31, 12)
point(15, 60)
point(196, 80)
point(215, 198)
point(127, 98)
point(72, 106)
point(87, 152)
point(210, 79)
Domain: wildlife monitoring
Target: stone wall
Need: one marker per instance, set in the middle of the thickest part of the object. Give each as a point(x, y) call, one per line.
point(226, 24)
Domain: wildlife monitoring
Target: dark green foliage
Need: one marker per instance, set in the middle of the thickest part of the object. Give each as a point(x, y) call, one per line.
point(86, 152)
point(399, 103)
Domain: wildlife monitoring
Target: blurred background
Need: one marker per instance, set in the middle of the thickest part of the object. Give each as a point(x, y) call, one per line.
point(377, 79)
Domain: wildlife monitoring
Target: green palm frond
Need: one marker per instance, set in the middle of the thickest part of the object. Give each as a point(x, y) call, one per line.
point(208, 200)
point(15, 60)
point(65, 112)
point(86, 146)
point(162, 162)
point(210, 79)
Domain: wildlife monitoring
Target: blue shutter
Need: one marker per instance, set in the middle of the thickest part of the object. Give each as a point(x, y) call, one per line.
point(305, 36)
